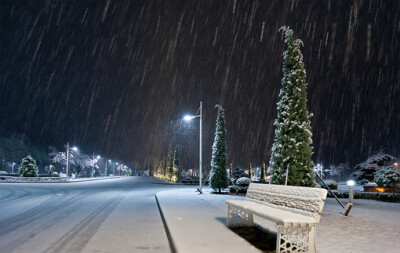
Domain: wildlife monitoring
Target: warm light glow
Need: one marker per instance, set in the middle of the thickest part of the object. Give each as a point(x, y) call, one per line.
point(350, 183)
point(396, 164)
point(189, 117)
point(380, 189)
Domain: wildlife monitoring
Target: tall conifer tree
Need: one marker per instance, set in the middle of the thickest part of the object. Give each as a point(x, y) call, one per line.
point(170, 166)
point(176, 168)
point(292, 148)
point(219, 179)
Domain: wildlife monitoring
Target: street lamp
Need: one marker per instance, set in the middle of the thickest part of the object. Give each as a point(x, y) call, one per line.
point(200, 116)
point(12, 168)
point(350, 183)
point(68, 148)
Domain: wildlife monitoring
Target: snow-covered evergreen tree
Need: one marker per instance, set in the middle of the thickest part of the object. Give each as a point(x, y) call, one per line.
point(387, 176)
point(365, 171)
point(219, 179)
point(292, 144)
point(170, 166)
point(176, 166)
point(28, 167)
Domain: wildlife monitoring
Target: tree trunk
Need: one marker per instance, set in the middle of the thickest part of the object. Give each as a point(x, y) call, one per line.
point(219, 190)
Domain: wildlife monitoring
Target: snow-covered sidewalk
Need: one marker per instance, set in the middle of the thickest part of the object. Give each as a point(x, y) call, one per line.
point(197, 224)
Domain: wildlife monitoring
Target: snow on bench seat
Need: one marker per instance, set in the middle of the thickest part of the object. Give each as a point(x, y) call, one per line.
point(295, 210)
point(276, 215)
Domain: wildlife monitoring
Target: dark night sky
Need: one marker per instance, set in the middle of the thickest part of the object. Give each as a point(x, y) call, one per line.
point(115, 77)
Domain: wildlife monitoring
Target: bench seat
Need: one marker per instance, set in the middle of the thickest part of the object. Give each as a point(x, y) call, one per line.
point(271, 213)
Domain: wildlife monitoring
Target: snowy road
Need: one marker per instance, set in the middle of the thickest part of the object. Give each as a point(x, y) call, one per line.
point(118, 215)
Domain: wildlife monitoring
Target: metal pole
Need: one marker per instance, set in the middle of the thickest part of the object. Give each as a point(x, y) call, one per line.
point(66, 170)
point(287, 173)
point(322, 167)
point(105, 170)
point(12, 168)
point(201, 153)
point(329, 189)
point(351, 194)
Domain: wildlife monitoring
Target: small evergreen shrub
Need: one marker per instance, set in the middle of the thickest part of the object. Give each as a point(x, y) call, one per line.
point(28, 167)
point(243, 181)
point(387, 176)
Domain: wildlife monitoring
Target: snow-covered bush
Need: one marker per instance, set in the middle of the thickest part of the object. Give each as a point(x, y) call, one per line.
point(387, 176)
point(243, 181)
point(174, 179)
point(28, 167)
point(332, 184)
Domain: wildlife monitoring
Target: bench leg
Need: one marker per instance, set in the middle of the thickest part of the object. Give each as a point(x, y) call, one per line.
point(295, 238)
point(238, 217)
point(312, 247)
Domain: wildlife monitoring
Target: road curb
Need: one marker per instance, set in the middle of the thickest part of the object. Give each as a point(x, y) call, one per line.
point(170, 241)
point(54, 182)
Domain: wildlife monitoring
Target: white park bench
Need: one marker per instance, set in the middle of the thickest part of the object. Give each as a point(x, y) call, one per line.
point(295, 210)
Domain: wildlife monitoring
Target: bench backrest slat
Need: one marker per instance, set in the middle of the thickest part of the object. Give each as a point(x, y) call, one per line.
point(305, 200)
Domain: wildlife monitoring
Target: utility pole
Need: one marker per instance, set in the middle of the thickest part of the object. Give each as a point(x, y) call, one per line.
point(105, 169)
point(201, 151)
point(66, 170)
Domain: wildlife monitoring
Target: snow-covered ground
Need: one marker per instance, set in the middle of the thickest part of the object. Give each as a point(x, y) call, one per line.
point(372, 226)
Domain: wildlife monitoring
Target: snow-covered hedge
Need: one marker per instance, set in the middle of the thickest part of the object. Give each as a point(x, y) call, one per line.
point(243, 181)
point(387, 176)
point(388, 197)
point(33, 179)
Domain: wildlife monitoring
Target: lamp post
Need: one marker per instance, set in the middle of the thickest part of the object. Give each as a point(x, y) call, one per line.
point(12, 168)
point(107, 161)
point(350, 183)
point(73, 149)
point(200, 116)
point(67, 167)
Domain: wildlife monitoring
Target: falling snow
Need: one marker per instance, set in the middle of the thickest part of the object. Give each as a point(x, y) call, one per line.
point(117, 76)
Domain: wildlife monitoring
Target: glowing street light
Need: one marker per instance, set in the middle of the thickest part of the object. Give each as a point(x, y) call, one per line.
point(200, 116)
point(350, 183)
point(189, 117)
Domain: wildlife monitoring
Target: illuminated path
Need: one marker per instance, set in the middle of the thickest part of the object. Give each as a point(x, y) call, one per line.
point(118, 215)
